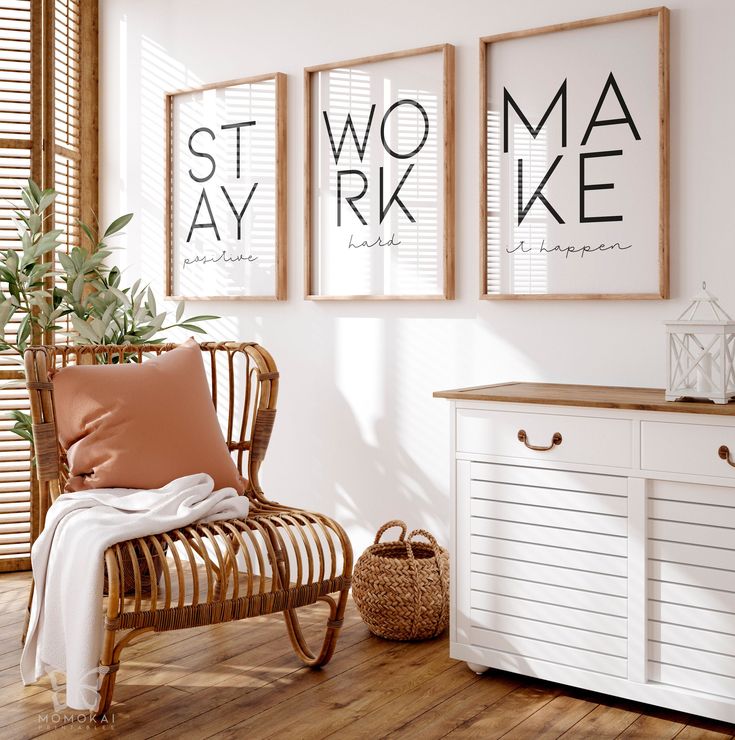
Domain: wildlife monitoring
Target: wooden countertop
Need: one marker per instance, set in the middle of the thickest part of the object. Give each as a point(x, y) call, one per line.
point(596, 396)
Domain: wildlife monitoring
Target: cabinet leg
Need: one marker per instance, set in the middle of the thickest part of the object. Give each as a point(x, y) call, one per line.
point(477, 668)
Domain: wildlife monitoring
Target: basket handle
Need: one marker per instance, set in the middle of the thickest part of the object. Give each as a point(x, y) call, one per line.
point(388, 525)
point(426, 535)
point(436, 547)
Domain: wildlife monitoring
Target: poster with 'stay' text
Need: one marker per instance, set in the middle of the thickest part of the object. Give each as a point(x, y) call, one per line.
point(224, 182)
point(574, 140)
point(377, 178)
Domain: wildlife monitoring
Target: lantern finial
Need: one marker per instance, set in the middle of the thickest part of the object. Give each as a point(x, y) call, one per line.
point(704, 302)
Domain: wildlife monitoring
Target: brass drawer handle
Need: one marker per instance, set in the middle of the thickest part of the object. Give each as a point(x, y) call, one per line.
point(724, 453)
point(555, 440)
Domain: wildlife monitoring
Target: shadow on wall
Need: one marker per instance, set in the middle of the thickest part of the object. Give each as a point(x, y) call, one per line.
point(377, 481)
point(361, 427)
point(359, 435)
point(147, 72)
point(356, 406)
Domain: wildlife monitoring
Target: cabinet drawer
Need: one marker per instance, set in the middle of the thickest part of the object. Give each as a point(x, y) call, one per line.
point(584, 440)
point(686, 448)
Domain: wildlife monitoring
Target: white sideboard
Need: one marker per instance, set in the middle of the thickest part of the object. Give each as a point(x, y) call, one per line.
point(593, 540)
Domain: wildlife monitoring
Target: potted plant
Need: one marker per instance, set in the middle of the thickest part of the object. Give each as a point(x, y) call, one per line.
point(47, 288)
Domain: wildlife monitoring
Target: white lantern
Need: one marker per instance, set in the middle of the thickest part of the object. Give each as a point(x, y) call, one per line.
point(701, 347)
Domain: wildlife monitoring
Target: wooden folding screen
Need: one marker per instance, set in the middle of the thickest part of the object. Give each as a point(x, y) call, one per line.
point(48, 131)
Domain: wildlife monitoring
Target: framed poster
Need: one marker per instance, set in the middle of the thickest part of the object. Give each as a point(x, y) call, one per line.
point(379, 212)
point(574, 178)
point(226, 190)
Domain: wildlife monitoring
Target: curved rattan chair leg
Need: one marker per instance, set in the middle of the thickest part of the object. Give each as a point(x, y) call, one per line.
point(107, 688)
point(334, 625)
point(108, 670)
point(110, 664)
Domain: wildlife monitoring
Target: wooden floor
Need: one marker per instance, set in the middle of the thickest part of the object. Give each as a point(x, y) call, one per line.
point(241, 680)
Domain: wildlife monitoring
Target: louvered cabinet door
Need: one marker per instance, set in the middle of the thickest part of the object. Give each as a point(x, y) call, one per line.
point(691, 587)
point(548, 567)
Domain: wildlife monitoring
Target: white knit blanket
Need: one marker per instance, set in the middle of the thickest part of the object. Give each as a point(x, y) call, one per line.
point(66, 626)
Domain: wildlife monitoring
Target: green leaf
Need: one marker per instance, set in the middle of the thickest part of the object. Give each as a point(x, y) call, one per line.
point(202, 318)
point(58, 297)
point(114, 277)
point(35, 190)
point(11, 260)
point(124, 300)
point(66, 262)
point(84, 329)
point(46, 200)
point(48, 242)
point(78, 288)
point(28, 200)
point(192, 327)
point(22, 432)
point(13, 289)
point(90, 235)
point(24, 331)
point(108, 314)
point(77, 257)
point(119, 223)
point(151, 302)
point(180, 311)
point(6, 311)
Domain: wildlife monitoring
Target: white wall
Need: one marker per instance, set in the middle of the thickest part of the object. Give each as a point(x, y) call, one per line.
point(359, 435)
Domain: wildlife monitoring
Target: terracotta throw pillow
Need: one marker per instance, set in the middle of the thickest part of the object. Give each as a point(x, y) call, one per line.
point(141, 425)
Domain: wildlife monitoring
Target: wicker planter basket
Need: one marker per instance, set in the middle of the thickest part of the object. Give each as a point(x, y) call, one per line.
point(401, 588)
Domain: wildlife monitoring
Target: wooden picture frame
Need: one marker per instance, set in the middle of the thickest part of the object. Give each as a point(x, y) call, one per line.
point(262, 92)
point(657, 255)
point(445, 146)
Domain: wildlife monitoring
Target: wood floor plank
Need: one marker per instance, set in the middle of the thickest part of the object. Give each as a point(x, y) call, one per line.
point(462, 707)
point(247, 670)
point(14, 578)
point(506, 713)
point(216, 708)
point(174, 662)
point(408, 708)
point(10, 659)
point(602, 723)
point(647, 727)
point(15, 597)
point(553, 719)
point(229, 672)
point(329, 707)
point(136, 683)
point(13, 618)
point(698, 733)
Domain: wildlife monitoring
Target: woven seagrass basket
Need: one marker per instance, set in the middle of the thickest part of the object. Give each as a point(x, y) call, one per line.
point(401, 588)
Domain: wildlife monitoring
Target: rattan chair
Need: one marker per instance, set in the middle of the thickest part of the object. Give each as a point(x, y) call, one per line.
point(278, 559)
